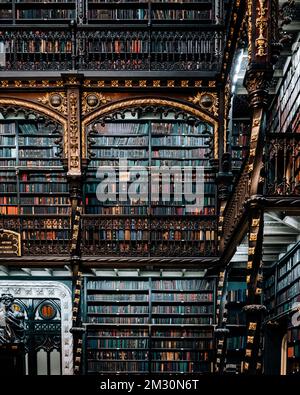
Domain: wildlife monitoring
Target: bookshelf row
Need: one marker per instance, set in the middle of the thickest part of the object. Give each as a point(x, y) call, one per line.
point(28, 182)
point(45, 11)
point(133, 328)
point(239, 141)
point(235, 320)
point(284, 115)
point(282, 285)
point(153, 144)
point(139, 49)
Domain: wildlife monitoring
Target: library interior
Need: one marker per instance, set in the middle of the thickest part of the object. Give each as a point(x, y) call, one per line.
point(150, 187)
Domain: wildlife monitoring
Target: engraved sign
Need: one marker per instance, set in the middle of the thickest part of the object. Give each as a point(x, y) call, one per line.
point(10, 243)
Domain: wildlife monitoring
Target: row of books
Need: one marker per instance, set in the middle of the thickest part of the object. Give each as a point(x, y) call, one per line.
point(119, 248)
point(38, 163)
point(7, 152)
point(184, 211)
point(39, 152)
point(288, 305)
point(45, 210)
point(7, 128)
point(119, 332)
point(179, 356)
point(289, 264)
point(181, 367)
point(183, 162)
point(289, 92)
point(145, 235)
point(239, 154)
point(236, 342)
point(45, 235)
point(45, 14)
point(159, 285)
point(192, 153)
point(118, 309)
point(186, 235)
point(185, 334)
point(36, 141)
point(179, 128)
point(123, 223)
point(236, 295)
point(117, 46)
point(175, 140)
point(7, 140)
point(115, 367)
point(92, 208)
point(118, 285)
point(9, 210)
point(40, 46)
point(127, 298)
point(292, 275)
point(43, 177)
point(117, 320)
point(142, 14)
point(182, 343)
point(144, 320)
point(120, 235)
point(286, 104)
point(242, 140)
point(117, 355)
point(291, 292)
point(182, 284)
point(117, 343)
point(122, 128)
point(55, 1)
point(133, 1)
point(4, 187)
point(44, 188)
point(180, 140)
point(120, 153)
point(177, 15)
point(116, 141)
point(179, 297)
point(115, 163)
point(8, 200)
point(157, 297)
point(118, 13)
point(182, 309)
point(158, 224)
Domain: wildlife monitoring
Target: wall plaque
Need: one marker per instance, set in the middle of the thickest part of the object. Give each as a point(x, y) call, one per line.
point(10, 243)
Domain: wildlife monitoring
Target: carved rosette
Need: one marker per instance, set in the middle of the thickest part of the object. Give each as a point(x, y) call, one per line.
point(92, 100)
point(56, 101)
point(207, 101)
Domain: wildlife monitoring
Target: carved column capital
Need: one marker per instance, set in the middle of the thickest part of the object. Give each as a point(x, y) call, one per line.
point(257, 82)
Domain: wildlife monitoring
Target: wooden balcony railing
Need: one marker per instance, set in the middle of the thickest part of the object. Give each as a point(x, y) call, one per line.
point(149, 236)
point(40, 235)
point(282, 169)
point(283, 164)
point(112, 50)
point(235, 207)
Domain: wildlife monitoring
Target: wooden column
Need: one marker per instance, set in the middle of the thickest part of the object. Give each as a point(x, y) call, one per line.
point(262, 28)
point(74, 165)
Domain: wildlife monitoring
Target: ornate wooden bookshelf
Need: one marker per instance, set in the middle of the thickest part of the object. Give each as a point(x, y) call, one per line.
point(145, 340)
